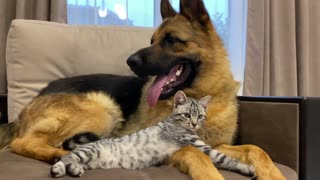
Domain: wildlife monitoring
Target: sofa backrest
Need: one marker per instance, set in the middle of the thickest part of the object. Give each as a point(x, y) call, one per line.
point(39, 52)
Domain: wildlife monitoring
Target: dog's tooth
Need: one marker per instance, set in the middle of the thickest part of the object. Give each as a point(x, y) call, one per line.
point(167, 83)
point(171, 80)
point(178, 73)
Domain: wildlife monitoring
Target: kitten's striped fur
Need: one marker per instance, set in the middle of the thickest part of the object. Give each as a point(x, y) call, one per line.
point(150, 146)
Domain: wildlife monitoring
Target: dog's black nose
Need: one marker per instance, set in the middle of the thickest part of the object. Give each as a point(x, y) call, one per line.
point(134, 61)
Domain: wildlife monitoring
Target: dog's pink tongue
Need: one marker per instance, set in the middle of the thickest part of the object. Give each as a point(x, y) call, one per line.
point(154, 90)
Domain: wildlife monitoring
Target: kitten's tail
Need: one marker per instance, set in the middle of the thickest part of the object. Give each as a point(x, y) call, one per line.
point(78, 139)
point(7, 133)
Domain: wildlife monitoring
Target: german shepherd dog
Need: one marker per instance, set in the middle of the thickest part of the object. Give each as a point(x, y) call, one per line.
point(185, 54)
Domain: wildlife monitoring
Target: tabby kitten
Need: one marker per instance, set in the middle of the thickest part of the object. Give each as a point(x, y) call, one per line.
point(150, 146)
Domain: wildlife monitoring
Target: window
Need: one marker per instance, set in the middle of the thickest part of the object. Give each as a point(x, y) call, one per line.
point(229, 17)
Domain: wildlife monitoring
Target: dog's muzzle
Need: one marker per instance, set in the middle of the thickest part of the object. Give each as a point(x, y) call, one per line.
point(134, 61)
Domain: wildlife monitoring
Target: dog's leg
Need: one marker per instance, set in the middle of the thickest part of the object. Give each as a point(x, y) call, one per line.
point(250, 154)
point(36, 148)
point(192, 161)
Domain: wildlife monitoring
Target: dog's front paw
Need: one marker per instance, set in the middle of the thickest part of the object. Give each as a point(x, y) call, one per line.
point(75, 170)
point(58, 170)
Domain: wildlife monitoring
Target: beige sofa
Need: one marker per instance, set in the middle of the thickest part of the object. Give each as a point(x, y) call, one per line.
point(39, 52)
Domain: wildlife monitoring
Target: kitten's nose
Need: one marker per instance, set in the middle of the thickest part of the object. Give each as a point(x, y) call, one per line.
point(194, 124)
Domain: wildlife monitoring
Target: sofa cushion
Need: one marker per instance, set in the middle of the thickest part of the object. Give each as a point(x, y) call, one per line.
point(39, 52)
point(256, 121)
point(17, 167)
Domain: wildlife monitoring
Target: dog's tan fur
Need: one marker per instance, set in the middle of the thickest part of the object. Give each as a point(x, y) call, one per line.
point(44, 125)
point(48, 120)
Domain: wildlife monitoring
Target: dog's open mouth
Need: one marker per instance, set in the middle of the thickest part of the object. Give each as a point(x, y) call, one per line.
point(164, 85)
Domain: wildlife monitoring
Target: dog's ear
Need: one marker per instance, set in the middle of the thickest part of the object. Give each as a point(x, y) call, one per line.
point(195, 10)
point(167, 10)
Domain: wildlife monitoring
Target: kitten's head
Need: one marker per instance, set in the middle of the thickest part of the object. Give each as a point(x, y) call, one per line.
point(189, 113)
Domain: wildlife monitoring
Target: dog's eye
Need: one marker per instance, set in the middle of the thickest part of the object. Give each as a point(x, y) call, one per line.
point(170, 40)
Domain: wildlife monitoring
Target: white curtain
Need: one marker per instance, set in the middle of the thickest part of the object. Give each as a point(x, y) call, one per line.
point(229, 17)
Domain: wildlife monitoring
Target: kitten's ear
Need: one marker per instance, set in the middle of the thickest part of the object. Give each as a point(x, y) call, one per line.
point(205, 101)
point(180, 98)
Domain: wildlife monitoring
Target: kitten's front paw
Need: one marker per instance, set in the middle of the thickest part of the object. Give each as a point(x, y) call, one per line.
point(251, 171)
point(75, 170)
point(58, 170)
point(247, 170)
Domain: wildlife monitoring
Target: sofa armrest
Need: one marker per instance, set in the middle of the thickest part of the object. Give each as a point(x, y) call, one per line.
point(286, 128)
point(3, 108)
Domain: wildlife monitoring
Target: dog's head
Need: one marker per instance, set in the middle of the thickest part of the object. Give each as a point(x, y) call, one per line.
point(177, 49)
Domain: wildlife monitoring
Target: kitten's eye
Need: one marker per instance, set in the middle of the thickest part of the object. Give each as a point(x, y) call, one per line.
point(200, 116)
point(187, 115)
